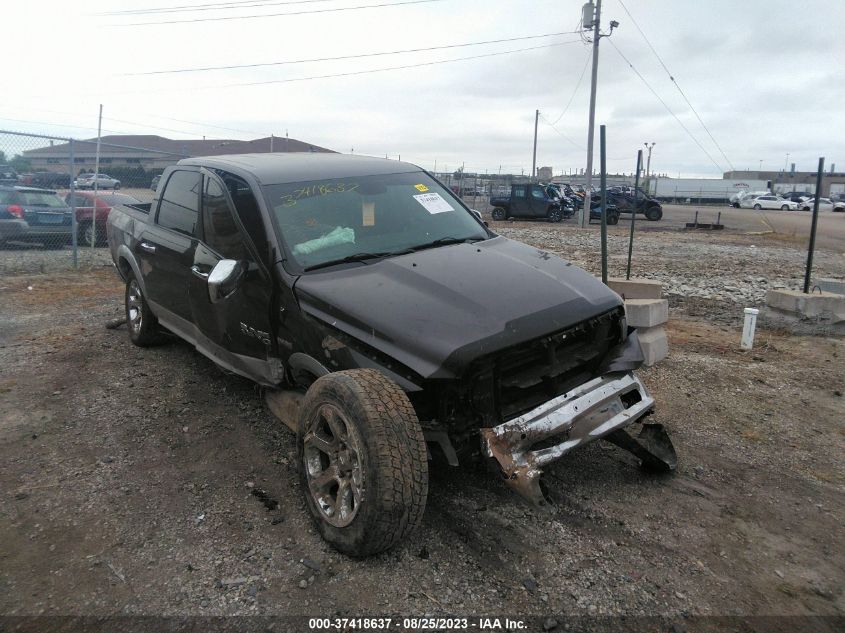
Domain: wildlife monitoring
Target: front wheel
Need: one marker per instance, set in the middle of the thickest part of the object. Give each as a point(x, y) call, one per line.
point(363, 461)
point(555, 215)
point(785, 207)
point(499, 214)
point(142, 323)
point(116, 186)
point(612, 218)
point(653, 214)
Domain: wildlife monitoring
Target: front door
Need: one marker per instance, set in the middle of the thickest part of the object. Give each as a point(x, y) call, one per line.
point(539, 203)
point(165, 250)
point(236, 331)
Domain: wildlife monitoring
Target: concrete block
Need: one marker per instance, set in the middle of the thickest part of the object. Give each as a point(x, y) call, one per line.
point(827, 304)
point(635, 288)
point(646, 312)
point(835, 286)
point(654, 343)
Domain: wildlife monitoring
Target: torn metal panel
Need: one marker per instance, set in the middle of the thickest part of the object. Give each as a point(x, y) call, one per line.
point(597, 408)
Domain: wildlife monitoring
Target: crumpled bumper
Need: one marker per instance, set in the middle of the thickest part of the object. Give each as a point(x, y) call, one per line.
point(589, 412)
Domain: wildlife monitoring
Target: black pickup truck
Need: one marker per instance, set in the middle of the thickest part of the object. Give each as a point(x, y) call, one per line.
point(413, 331)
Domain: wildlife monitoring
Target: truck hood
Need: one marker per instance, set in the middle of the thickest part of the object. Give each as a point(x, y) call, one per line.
point(437, 310)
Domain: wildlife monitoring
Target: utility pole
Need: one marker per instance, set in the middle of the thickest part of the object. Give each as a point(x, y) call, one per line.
point(534, 159)
point(591, 18)
point(649, 147)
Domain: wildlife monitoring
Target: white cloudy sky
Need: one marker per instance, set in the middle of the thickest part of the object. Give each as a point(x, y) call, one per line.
point(764, 75)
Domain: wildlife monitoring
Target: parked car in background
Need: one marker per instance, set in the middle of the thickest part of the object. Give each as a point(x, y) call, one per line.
point(31, 214)
point(825, 204)
point(737, 198)
point(839, 207)
point(50, 180)
point(768, 202)
point(154, 183)
point(8, 176)
point(796, 196)
point(86, 221)
point(104, 181)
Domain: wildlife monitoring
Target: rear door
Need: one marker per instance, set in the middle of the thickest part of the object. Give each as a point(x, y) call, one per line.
point(235, 331)
point(166, 249)
point(520, 203)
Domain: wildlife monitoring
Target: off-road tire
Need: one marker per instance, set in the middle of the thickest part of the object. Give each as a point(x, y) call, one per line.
point(612, 218)
point(147, 332)
point(653, 214)
point(393, 459)
point(499, 214)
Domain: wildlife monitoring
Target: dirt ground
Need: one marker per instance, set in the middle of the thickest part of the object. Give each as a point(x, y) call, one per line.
point(149, 482)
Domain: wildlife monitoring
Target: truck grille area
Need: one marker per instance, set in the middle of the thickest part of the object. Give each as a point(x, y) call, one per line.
point(539, 370)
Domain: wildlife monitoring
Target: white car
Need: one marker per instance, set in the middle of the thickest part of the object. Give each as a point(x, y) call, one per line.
point(825, 204)
point(839, 207)
point(104, 181)
point(768, 202)
point(737, 198)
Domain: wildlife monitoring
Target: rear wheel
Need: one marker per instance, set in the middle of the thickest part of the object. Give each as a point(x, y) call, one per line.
point(612, 218)
point(363, 461)
point(142, 323)
point(499, 214)
point(653, 214)
point(757, 207)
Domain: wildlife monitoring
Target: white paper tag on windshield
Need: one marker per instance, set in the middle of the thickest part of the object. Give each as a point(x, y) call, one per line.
point(433, 202)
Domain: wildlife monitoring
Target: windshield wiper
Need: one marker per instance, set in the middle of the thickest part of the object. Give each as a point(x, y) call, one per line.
point(445, 241)
point(355, 257)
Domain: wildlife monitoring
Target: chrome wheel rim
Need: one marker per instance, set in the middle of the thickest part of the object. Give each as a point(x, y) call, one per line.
point(134, 303)
point(332, 462)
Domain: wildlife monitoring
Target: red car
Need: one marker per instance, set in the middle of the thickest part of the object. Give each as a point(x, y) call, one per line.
point(84, 202)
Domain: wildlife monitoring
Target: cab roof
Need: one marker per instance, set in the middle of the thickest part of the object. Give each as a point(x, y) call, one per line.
point(288, 167)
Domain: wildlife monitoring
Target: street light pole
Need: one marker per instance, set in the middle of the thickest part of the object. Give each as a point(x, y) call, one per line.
point(649, 147)
point(534, 158)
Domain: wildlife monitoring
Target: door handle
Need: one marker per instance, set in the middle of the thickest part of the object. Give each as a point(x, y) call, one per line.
point(146, 246)
point(198, 272)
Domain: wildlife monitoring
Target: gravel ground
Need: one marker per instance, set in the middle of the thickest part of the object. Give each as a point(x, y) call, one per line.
point(148, 482)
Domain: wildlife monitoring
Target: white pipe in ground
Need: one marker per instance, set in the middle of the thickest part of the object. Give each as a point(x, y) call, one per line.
point(748, 328)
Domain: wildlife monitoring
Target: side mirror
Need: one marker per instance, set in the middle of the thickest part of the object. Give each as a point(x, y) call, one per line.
point(224, 278)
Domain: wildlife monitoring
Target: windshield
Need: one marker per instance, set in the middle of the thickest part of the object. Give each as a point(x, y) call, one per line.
point(35, 199)
point(329, 220)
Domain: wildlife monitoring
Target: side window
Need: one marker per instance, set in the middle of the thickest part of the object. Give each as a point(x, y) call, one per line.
point(180, 202)
point(221, 232)
point(537, 193)
point(519, 192)
point(248, 212)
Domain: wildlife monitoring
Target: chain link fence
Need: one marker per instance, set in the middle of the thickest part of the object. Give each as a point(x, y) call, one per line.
point(56, 194)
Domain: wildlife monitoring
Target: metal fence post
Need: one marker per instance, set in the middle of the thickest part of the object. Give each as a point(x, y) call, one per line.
point(603, 205)
point(634, 213)
point(73, 225)
point(812, 247)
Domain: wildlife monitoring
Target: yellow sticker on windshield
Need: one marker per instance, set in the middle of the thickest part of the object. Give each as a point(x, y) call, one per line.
point(421, 187)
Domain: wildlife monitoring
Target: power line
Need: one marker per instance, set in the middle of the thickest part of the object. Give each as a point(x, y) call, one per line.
point(668, 109)
point(213, 6)
point(564, 136)
point(577, 85)
point(274, 15)
point(388, 68)
point(342, 57)
point(672, 78)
